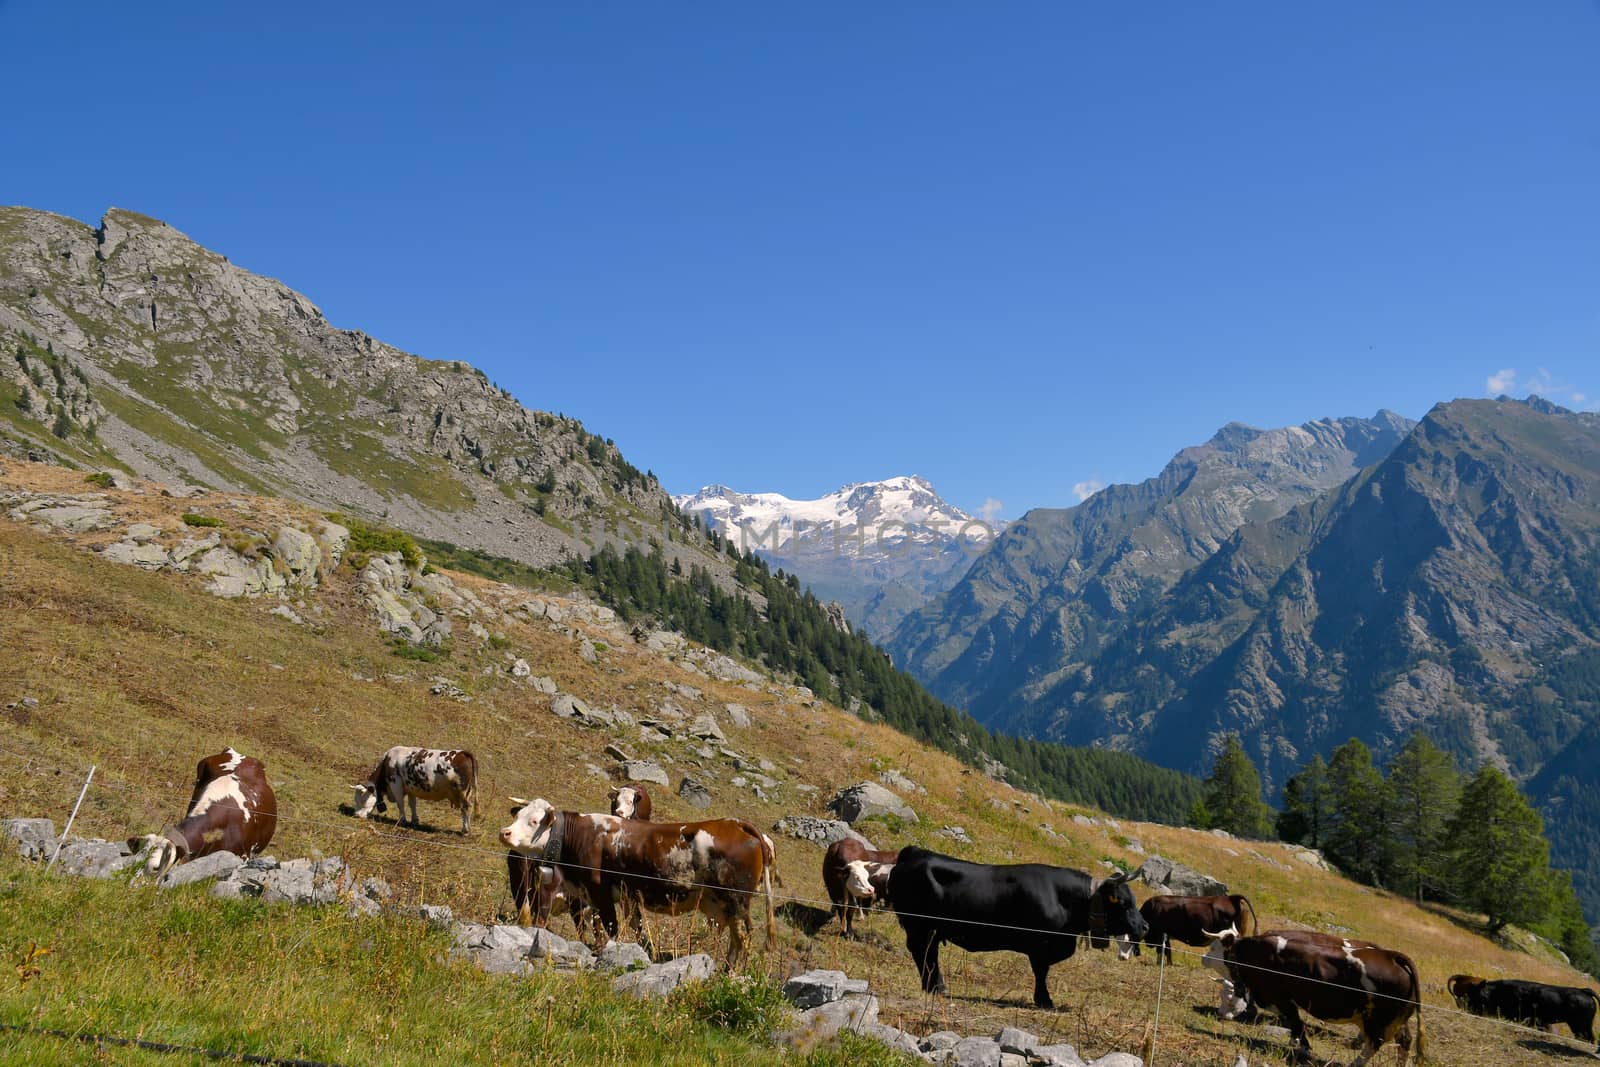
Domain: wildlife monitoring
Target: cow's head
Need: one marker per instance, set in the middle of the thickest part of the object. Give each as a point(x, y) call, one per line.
point(1461, 988)
point(163, 851)
point(1113, 911)
point(1222, 942)
point(1125, 947)
point(530, 826)
point(366, 799)
point(866, 880)
point(624, 802)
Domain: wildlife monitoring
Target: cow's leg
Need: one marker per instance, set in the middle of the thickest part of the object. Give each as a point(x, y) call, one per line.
point(1041, 987)
point(924, 946)
point(416, 820)
point(1297, 1032)
point(466, 817)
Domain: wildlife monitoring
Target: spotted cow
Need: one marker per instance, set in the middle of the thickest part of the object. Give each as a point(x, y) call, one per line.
point(713, 867)
point(405, 773)
point(856, 877)
point(231, 809)
point(630, 802)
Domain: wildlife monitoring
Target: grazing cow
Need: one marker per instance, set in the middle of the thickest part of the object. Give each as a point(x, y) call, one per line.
point(405, 773)
point(1195, 920)
point(1530, 1003)
point(231, 809)
point(1333, 978)
point(630, 802)
point(1030, 908)
point(713, 867)
point(541, 892)
point(855, 877)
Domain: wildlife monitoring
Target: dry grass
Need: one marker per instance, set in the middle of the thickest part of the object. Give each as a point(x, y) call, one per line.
point(141, 674)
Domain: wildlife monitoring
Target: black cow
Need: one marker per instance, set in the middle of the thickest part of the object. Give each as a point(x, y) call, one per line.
point(1031, 908)
point(1530, 1003)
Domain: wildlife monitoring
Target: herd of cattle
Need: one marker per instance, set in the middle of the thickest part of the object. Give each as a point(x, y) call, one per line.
point(597, 865)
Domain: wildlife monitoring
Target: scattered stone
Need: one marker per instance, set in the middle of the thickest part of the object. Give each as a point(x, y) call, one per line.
point(520, 669)
point(693, 793)
point(819, 831)
point(616, 752)
point(284, 611)
point(1057, 1056)
point(213, 866)
point(495, 949)
point(73, 518)
point(939, 1041)
point(660, 979)
point(1084, 820)
point(954, 833)
point(824, 1022)
point(142, 531)
point(35, 838)
point(571, 708)
point(622, 956)
point(94, 859)
point(586, 650)
point(1159, 872)
point(972, 1052)
point(705, 727)
point(737, 715)
point(895, 780)
point(564, 955)
point(892, 1036)
point(1017, 1042)
point(815, 987)
point(1117, 1059)
point(444, 687)
point(542, 684)
point(866, 799)
point(643, 770)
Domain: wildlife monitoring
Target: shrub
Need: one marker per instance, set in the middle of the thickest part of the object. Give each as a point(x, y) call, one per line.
point(740, 1003)
point(420, 653)
point(365, 540)
point(101, 478)
point(191, 519)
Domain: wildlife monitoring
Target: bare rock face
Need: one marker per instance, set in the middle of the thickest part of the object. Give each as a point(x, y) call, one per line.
point(866, 799)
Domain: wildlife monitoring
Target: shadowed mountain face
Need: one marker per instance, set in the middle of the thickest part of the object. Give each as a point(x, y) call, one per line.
point(1059, 584)
point(131, 346)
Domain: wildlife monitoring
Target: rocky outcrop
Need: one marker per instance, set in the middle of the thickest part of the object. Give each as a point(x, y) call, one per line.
point(1167, 876)
point(867, 799)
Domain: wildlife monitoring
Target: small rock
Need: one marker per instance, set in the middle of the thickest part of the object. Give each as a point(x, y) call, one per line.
point(622, 956)
point(737, 715)
point(615, 751)
point(825, 1021)
point(541, 684)
point(284, 611)
point(974, 1052)
point(694, 793)
point(819, 831)
point(1057, 1056)
point(1016, 1041)
point(563, 954)
point(1117, 1059)
point(866, 799)
point(938, 1041)
point(35, 838)
point(815, 987)
point(660, 979)
point(143, 531)
point(520, 669)
point(954, 833)
point(706, 728)
point(643, 770)
point(213, 866)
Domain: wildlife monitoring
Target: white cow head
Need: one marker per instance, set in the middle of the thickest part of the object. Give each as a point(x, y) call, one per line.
point(624, 802)
point(162, 853)
point(366, 799)
point(866, 880)
point(529, 831)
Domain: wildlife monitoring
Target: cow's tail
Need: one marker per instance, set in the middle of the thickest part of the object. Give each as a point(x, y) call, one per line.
point(769, 874)
point(1596, 997)
point(1416, 1006)
point(1242, 902)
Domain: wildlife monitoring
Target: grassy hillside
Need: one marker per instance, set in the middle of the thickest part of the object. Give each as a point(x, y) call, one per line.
point(142, 673)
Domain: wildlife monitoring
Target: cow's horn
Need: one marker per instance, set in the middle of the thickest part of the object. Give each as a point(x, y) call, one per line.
point(1218, 935)
point(518, 801)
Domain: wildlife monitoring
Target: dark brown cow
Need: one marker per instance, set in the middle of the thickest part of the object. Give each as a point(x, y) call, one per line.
point(231, 809)
point(713, 867)
point(1335, 979)
point(405, 773)
point(1529, 1003)
point(539, 893)
point(1195, 920)
point(856, 877)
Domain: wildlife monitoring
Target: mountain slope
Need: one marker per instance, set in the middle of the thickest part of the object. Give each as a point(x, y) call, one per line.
point(131, 346)
point(1058, 583)
point(880, 549)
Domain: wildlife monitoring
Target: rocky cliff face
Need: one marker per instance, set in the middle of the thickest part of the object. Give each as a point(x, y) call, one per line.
point(1059, 583)
point(880, 549)
point(131, 346)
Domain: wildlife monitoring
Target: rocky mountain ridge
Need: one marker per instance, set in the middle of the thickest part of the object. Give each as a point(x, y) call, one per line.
point(129, 346)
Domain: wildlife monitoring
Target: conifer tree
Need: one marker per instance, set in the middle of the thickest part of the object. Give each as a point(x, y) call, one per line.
point(1498, 848)
point(1233, 794)
point(1425, 790)
point(1355, 833)
point(1307, 806)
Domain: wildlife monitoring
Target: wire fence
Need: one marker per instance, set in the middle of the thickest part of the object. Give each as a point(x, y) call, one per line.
point(1147, 1033)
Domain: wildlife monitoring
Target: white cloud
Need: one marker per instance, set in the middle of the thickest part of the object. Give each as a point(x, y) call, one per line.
point(1501, 381)
point(1540, 383)
point(990, 510)
point(1085, 489)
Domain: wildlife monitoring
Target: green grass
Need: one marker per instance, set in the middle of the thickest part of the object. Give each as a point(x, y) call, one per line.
point(191, 519)
point(245, 977)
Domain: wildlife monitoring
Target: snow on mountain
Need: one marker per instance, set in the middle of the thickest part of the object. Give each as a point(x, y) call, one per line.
point(856, 519)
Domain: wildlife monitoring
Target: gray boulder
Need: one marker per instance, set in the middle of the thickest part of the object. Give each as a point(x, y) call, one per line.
point(562, 954)
point(1017, 1042)
point(1159, 873)
point(971, 1052)
point(660, 979)
point(892, 1036)
point(35, 838)
point(150, 557)
point(817, 987)
point(94, 858)
point(693, 793)
point(824, 1022)
point(706, 729)
point(1117, 1059)
point(622, 956)
point(571, 708)
point(737, 715)
point(866, 799)
point(495, 949)
point(209, 867)
point(73, 518)
point(1057, 1056)
point(818, 831)
point(643, 770)
point(938, 1041)
point(299, 553)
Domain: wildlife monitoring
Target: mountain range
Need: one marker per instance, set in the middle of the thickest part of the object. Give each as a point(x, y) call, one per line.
point(880, 549)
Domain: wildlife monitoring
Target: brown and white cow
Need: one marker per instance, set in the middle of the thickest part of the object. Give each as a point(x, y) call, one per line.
point(1335, 979)
point(1195, 920)
point(231, 809)
point(405, 773)
point(713, 867)
point(856, 877)
point(630, 802)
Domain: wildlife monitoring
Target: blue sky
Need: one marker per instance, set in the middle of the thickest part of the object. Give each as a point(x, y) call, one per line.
point(1014, 248)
